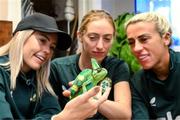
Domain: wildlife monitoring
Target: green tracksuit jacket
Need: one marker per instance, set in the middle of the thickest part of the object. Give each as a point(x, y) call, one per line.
point(156, 99)
point(22, 103)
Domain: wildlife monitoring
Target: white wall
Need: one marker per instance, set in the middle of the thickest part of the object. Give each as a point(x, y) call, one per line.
point(114, 7)
point(117, 7)
point(3, 9)
point(85, 5)
point(10, 10)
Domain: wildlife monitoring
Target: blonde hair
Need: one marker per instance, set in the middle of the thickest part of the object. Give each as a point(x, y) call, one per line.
point(91, 16)
point(15, 51)
point(161, 23)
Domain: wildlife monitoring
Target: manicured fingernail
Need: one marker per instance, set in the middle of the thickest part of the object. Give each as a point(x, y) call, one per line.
point(97, 89)
point(64, 88)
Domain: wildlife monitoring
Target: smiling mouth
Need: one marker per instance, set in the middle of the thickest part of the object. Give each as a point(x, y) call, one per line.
point(143, 58)
point(41, 58)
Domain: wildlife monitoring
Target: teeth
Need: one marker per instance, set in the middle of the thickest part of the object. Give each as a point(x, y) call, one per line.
point(142, 57)
point(40, 57)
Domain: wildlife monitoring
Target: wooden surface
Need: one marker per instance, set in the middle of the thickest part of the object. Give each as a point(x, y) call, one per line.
point(5, 31)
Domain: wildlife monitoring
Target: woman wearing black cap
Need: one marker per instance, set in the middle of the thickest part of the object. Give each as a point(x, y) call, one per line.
point(25, 92)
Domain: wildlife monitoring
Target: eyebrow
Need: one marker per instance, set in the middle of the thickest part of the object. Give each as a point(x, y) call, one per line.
point(144, 35)
point(45, 35)
point(140, 36)
point(98, 34)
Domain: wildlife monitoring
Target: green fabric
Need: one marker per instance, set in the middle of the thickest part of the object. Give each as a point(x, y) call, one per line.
point(66, 69)
point(16, 104)
point(153, 98)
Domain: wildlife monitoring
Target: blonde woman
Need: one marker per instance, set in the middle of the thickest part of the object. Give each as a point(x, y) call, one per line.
point(25, 92)
point(155, 88)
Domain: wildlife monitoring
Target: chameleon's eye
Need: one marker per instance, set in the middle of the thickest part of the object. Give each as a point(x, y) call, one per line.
point(98, 69)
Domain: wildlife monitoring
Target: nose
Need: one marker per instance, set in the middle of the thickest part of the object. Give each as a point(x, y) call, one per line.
point(47, 50)
point(137, 47)
point(99, 44)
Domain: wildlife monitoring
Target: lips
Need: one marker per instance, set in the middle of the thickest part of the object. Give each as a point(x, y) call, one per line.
point(143, 58)
point(98, 53)
point(40, 58)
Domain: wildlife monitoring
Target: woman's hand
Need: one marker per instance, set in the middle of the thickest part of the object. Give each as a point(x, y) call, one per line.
point(66, 92)
point(83, 106)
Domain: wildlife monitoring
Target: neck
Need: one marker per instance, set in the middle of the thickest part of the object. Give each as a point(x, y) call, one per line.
point(84, 62)
point(162, 70)
point(25, 69)
point(163, 74)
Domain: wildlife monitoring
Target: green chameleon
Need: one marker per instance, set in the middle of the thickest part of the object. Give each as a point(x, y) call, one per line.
point(89, 78)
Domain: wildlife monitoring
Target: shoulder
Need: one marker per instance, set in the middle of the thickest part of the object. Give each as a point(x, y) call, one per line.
point(177, 54)
point(138, 78)
point(139, 74)
point(4, 59)
point(63, 65)
point(116, 65)
point(65, 60)
point(4, 64)
point(2, 70)
point(174, 60)
point(118, 70)
point(112, 61)
point(4, 75)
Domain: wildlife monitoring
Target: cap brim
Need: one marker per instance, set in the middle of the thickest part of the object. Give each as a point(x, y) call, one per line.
point(64, 40)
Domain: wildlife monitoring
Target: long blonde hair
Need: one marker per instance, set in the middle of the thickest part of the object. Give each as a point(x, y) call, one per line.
point(14, 49)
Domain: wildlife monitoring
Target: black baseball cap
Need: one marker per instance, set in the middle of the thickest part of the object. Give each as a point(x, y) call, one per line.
point(44, 23)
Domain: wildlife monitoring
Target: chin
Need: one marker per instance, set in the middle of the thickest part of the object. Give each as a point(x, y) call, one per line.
point(36, 67)
point(99, 59)
point(147, 67)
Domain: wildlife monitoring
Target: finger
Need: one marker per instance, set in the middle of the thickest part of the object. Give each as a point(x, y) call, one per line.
point(70, 83)
point(92, 92)
point(98, 95)
point(107, 92)
point(104, 96)
point(100, 92)
point(66, 93)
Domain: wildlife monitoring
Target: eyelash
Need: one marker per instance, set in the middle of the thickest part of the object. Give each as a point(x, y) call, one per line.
point(43, 41)
point(53, 48)
point(96, 38)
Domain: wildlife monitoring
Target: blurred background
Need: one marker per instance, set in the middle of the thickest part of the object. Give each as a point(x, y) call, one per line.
point(68, 14)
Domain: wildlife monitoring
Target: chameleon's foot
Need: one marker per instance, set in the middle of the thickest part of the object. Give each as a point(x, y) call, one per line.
point(107, 82)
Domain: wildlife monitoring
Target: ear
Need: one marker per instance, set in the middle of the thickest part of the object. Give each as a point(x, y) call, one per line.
point(167, 38)
point(79, 36)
